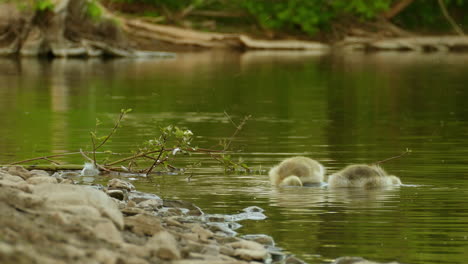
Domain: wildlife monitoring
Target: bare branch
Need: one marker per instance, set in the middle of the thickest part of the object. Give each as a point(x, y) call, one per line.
point(394, 157)
point(451, 21)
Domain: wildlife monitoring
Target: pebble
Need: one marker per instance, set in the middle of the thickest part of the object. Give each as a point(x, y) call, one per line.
point(118, 184)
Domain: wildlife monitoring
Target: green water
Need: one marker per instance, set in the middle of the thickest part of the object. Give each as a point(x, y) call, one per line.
point(338, 109)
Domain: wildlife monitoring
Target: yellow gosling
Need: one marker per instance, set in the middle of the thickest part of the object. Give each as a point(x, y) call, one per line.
point(297, 171)
point(362, 176)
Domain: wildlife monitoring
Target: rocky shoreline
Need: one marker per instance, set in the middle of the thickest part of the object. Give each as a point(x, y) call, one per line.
point(48, 219)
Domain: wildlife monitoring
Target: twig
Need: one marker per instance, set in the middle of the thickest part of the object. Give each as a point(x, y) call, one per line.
point(155, 163)
point(116, 125)
point(447, 16)
point(238, 128)
point(91, 160)
point(394, 157)
point(52, 161)
point(44, 158)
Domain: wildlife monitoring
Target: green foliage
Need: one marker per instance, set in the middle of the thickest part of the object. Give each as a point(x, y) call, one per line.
point(310, 16)
point(44, 5)
point(93, 10)
point(313, 16)
point(160, 151)
point(426, 15)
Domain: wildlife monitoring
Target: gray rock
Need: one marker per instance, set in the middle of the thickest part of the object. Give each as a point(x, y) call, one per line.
point(164, 246)
point(222, 229)
point(11, 178)
point(150, 205)
point(107, 231)
point(203, 234)
point(35, 180)
point(192, 209)
point(41, 173)
point(18, 171)
point(143, 224)
point(62, 195)
point(249, 250)
point(138, 197)
point(67, 181)
point(118, 184)
point(118, 194)
point(261, 239)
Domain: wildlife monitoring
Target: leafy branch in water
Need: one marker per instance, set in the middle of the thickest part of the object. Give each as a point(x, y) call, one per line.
point(223, 157)
point(95, 139)
point(157, 152)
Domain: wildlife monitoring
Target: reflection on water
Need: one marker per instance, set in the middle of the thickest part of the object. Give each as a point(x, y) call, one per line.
point(339, 109)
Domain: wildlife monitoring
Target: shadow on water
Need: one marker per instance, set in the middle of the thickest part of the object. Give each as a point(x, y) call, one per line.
point(336, 108)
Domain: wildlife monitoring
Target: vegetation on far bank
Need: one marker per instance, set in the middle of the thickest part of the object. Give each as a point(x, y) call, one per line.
point(122, 28)
point(311, 18)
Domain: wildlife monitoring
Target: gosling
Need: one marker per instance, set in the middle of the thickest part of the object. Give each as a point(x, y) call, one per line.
point(362, 176)
point(297, 171)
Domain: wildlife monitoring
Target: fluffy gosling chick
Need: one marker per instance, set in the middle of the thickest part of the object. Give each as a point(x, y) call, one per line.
point(297, 171)
point(362, 176)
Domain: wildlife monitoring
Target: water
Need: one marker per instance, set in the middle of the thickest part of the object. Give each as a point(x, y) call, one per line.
point(339, 109)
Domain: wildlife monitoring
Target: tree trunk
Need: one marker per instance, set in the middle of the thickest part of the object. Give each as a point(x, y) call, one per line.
point(64, 30)
point(397, 8)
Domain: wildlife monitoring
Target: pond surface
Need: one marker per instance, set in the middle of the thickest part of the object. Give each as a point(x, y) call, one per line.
point(339, 109)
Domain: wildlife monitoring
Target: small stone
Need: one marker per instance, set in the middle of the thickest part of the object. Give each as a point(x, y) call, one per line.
point(245, 244)
point(107, 231)
point(130, 211)
point(170, 221)
point(193, 210)
point(120, 185)
point(138, 197)
point(105, 256)
point(66, 174)
point(212, 250)
point(164, 246)
point(227, 251)
point(151, 204)
point(249, 250)
point(67, 195)
point(131, 203)
point(192, 246)
point(85, 211)
point(203, 234)
point(19, 171)
point(143, 224)
point(12, 178)
point(67, 181)
point(118, 194)
point(20, 199)
point(249, 254)
point(222, 229)
point(131, 249)
point(22, 185)
point(261, 239)
point(37, 173)
point(36, 180)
